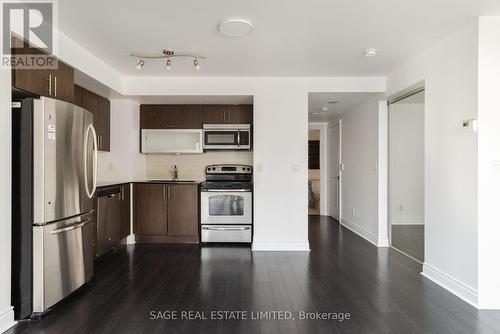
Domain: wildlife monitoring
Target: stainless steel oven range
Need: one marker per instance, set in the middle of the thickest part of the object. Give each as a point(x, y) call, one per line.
point(226, 204)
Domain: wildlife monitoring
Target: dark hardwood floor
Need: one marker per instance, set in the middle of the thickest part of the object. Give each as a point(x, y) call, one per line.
point(380, 288)
point(409, 239)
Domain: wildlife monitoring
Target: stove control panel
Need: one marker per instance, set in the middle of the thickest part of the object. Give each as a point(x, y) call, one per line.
point(228, 169)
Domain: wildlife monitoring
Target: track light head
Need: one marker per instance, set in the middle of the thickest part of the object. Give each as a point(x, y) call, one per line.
point(196, 64)
point(140, 64)
point(169, 65)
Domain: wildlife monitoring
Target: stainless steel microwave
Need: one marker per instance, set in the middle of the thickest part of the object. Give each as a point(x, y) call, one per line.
point(226, 136)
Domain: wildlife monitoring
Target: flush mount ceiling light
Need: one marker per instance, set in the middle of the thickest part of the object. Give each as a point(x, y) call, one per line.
point(168, 54)
point(317, 113)
point(370, 52)
point(324, 108)
point(332, 102)
point(235, 27)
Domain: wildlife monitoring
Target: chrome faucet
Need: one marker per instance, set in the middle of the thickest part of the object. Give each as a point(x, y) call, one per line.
point(176, 173)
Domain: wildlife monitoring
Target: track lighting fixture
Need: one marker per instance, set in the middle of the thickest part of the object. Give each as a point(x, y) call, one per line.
point(140, 64)
point(168, 54)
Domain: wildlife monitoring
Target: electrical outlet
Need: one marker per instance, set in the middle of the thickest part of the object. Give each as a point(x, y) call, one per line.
point(260, 167)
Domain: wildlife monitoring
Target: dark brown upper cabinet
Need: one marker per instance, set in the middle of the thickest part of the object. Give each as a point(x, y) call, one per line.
point(227, 114)
point(55, 83)
point(100, 108)
point(78, 96)
point(104, 124)
point(240, 114)
point(163, 116)
point(215, 114)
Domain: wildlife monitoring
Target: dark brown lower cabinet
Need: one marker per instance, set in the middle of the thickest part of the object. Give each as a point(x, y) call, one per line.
point(150, 209)
point(182, 210)
point(165, 213)
point(125, 211)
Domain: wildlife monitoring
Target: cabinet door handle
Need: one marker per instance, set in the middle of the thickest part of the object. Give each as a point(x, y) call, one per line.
point(224, 117)
point(163, 191)
point(50, 84)
point(168, 192)
point(228, 117)
point(55, 86)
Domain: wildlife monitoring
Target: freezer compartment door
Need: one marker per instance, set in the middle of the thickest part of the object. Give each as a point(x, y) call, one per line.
point(64, 160)
point(226, 233)
point(62, 260)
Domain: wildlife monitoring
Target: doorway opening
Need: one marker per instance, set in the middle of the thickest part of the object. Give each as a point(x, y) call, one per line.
point(314, 177)
point(406, 174)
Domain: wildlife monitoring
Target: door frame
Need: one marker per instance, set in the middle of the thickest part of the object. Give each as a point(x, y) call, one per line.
point(338, 122)
point(323, 164)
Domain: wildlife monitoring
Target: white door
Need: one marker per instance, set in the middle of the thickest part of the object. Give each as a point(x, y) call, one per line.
point(334, 171)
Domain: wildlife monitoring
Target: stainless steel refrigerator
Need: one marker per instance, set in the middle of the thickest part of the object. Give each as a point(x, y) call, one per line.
point(54, 182)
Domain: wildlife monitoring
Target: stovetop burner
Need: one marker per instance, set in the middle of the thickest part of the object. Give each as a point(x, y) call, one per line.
point(230, 177)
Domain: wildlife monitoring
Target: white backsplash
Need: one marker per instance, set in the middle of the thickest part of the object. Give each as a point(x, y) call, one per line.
point(192, 166)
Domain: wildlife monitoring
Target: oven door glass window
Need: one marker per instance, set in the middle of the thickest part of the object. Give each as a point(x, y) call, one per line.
point(221, 137)
point(226, 205)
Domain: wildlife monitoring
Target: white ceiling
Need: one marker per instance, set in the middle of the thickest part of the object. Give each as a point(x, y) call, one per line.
point(346, 103)
point(291, 38)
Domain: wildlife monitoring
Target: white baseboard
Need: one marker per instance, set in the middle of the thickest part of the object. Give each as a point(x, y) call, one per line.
point(130, 240)
point(454, 286)
point(365, 234)
point(407, 221)
point(6, 319)
point(280, 246)
point(383, 242)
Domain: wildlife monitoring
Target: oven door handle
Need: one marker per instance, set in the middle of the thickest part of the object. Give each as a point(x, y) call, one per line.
point(242, 228)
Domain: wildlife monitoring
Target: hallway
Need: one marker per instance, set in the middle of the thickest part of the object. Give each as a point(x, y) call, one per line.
point(381, 289)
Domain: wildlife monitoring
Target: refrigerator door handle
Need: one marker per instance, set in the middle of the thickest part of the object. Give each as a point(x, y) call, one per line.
point(90, 194)
point(70, 228)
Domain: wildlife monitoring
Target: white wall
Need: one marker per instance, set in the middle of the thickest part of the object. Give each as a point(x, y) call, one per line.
point(6, 312)
point(123, 162)
point(450, 73)
point(360, 178)
point(280, 156)
point(406, 163)
point(192, 166)
point(489, 163)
